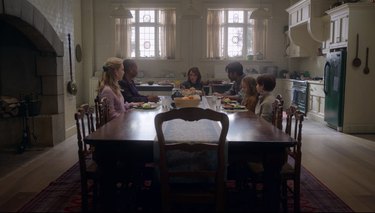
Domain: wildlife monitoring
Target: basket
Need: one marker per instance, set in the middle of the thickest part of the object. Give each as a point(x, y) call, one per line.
point(182, 102)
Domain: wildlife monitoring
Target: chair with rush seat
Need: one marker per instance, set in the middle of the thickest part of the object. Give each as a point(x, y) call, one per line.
point(291, 171)
point(88, 168)
point(101, 111)
point(277, 112)
point(192, 192)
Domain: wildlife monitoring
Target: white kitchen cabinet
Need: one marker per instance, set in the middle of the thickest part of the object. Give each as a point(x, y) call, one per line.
point(299, 13)
point(316, 98)
point(306, 27)
point(284, 87)
point(327, 32)
point(339, 27)
point(350, 20)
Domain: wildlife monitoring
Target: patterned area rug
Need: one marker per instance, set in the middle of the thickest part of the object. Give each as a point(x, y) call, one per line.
point(63, 195)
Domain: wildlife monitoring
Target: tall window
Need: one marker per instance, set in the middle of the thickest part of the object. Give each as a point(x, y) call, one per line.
point(151, 33)
point(231, 34)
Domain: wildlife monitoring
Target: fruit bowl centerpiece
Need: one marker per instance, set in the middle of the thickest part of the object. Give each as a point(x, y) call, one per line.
point(191, 91)
point(187, 101)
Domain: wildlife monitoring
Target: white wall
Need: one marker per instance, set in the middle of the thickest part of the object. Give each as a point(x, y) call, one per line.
point(59, 14)
point(91, 26)
point(190, 38)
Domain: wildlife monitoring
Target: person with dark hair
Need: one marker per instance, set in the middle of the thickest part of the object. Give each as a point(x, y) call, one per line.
point(236, 74)
point(193, 79)
point(265, 85)
point(128, 88)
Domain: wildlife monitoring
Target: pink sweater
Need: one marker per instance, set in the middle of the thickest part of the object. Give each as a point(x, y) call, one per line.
point(115, 102)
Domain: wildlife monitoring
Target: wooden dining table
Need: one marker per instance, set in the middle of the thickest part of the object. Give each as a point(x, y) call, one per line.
point(248, 135)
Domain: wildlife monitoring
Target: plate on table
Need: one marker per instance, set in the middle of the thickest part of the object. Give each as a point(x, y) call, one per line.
point(233, 107)
point(147, 106)
point(228, 101)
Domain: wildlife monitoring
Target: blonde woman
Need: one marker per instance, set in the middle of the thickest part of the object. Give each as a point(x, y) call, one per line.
point(113, 70)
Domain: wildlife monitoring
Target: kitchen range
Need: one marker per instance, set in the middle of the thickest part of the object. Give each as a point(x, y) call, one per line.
point(299, 89)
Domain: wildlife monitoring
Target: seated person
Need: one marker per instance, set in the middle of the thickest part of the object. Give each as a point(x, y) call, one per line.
point(128, 88)
point(236, 74)
point(109, 87)
point(249, 93)
point(193, 79)
point(265, 85)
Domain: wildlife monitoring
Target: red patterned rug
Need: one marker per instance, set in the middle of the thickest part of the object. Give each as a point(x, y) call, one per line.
point(63, 195)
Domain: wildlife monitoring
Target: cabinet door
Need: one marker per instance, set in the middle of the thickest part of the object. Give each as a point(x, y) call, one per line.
point(339, 31)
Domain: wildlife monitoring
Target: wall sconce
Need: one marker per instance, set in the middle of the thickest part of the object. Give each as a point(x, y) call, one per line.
point(121, 12)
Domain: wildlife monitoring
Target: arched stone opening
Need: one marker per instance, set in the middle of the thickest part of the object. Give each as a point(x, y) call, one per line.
point(31, 66)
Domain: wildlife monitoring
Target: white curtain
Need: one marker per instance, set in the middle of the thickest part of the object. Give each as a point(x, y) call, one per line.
point(260, 28)
point(214, 39)
point(168, 34)
point(122, 37)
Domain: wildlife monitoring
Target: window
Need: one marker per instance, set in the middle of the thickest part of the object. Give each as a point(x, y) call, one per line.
point(151, 33)
point(231, 34)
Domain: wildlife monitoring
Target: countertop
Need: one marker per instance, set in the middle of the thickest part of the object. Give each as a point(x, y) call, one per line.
point(308, 81)
point(154, 87)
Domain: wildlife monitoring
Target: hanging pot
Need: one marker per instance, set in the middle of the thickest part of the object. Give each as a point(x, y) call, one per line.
point(72, 86)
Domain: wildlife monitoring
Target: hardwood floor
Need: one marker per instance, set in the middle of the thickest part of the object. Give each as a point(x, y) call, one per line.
point(344, 163)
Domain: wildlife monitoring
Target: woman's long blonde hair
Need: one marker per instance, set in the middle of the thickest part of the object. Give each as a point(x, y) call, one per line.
point(108, 76)
point(251, 83)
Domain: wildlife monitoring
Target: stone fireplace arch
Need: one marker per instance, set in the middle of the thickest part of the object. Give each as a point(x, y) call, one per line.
point(48, 51)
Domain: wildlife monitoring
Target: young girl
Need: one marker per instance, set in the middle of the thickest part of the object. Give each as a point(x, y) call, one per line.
point(249, 93)
point(109, 87)
point(193, 80)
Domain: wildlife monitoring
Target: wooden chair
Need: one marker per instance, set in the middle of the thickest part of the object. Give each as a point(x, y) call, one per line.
point(169, 192)
point(101, 111)
point(88, 168)
point(277, 112)
point(292, 169)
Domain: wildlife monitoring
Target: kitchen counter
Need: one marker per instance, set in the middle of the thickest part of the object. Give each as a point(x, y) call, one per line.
point(319, 82)
point(163, 88)
point(154, 87)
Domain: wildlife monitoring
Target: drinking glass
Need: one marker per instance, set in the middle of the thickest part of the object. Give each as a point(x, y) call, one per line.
point(218, 103)
point(164, 102)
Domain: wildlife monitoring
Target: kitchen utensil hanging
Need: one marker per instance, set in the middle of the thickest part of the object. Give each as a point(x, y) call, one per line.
point(357, 61)
point(72, 87)
point(366, 70)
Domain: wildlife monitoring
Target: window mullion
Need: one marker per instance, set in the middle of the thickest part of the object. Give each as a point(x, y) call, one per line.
point(244, 44)
point(156, 34)
point(137, 48)
point(226, 34)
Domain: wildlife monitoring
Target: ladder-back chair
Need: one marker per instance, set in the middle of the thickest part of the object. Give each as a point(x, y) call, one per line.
point(101, 111)
point(88, 168)
point(172, 194)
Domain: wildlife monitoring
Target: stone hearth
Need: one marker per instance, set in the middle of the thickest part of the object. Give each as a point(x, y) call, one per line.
point(31, 62)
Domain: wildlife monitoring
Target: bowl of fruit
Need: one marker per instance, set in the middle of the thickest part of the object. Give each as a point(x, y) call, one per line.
point(187, 101)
